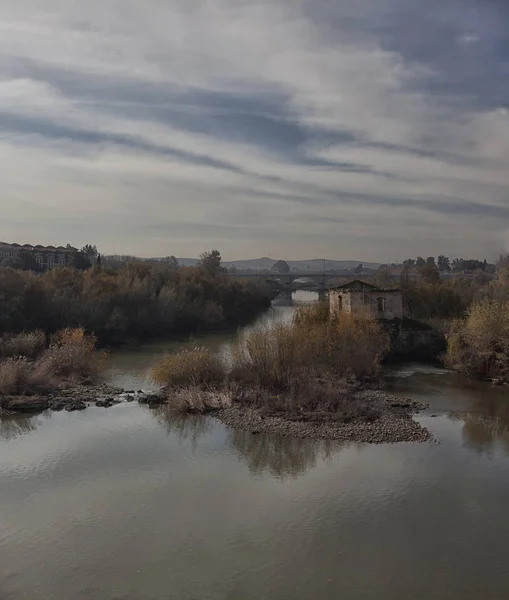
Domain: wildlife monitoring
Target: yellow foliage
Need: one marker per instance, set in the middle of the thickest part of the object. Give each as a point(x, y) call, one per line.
point(479, 344)
point(189, 366)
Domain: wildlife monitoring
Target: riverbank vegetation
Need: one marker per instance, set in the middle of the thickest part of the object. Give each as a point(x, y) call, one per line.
point(135, 302)
point(315, 377)
point(32, 364)
point(478, 346)
point(308, 366)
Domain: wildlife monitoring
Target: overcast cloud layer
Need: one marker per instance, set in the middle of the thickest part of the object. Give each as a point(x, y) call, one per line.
point(370, 130)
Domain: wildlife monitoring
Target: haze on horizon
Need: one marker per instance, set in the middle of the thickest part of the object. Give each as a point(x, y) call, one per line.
point(372, 130)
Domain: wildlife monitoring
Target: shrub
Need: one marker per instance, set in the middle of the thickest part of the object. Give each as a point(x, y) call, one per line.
point(189, 366)
point(309, 347)
point(72, 353)
point(479, 344)
point(29, 344)
point(19, 376)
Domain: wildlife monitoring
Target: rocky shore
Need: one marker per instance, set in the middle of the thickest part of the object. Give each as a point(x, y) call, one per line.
point(394, 423)
point(77, 398)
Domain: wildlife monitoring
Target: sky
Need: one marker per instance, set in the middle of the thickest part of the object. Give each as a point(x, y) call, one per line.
point(360, 130)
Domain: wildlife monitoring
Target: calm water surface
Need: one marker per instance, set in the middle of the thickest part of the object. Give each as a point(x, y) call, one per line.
point(131, 503)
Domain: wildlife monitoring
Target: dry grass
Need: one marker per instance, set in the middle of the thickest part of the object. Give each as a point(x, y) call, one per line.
point(315, 400)
point(20, 376)
point(303, 370)
point(479, 345)
point(309, 347)
point(196, 399)
point(72, 354)
point(189, 367)
point(29, 344)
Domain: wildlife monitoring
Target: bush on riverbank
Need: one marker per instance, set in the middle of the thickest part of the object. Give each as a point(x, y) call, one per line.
point(478, 345)
point(189, 367)
point(70, 357)
point(309, 347)
point(26, 343)
point(138, 301)
point(305, 368)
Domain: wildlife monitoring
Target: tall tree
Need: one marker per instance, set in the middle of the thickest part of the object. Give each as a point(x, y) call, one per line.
point(444, 264)
point(172, 262)
point(90, 252)
point(211, 262)
point(420, 262)
point(359, 268)
point(430, 261)
point(281, 266)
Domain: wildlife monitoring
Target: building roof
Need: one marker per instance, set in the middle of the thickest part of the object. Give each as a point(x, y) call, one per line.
point(361, 286)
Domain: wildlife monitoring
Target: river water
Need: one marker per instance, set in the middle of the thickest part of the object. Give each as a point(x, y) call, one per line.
point(137, 504)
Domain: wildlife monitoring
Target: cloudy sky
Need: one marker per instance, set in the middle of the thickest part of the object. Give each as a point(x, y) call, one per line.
point(366, 129)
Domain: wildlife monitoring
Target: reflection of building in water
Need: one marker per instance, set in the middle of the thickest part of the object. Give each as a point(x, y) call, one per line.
point(281, 456)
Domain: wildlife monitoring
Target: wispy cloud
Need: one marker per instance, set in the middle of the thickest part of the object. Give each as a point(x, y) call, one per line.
point(369, 129)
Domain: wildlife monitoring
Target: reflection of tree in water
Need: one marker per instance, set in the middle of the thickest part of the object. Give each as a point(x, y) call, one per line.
point(192, 427)
point(13, 426)
point(281, 456)
point(486, 425)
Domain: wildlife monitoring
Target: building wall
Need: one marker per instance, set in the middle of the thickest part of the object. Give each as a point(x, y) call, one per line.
point(46, 257)
point(371, 304)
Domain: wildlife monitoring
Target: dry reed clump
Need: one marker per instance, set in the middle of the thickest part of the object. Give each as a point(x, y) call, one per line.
point(311, 346)
point(72, 354)
point(479, 344)
point(315, 400)
point(197, 399)
point(28, 343)
point(189, 367)
point(21, 377)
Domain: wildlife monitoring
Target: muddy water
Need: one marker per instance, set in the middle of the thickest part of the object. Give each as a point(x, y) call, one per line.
point(135, 504)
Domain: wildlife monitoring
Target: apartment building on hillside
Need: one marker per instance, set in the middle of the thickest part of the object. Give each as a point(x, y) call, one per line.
point(46, 257)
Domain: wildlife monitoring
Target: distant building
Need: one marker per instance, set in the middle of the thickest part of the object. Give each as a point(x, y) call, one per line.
point(363, 299)
point(46, 257)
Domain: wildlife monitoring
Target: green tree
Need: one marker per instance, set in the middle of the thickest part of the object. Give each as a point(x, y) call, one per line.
point(430, 261)
point(444, 264)
point(27, 262)
point(211, 262)
point(281, 266)
point(172, 262)
point(420, 262)
point(359, 268)
point(90, 252)
point(430, 273)
point(81, 261)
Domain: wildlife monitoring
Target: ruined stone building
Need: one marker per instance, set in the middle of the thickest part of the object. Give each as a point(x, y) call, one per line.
point(367, 301)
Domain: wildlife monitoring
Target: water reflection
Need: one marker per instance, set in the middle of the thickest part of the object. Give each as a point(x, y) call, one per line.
point(482, 409)
point(486, 425)
point(280, 456)
point(185, 427)
point(14, 426)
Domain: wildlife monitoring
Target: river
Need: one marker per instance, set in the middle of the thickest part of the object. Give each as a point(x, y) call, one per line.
point(137, 504)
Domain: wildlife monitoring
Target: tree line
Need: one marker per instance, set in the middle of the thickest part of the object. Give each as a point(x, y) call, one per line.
point(138, 300)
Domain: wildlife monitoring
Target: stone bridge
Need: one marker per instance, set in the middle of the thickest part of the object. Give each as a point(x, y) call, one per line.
point(294, 280)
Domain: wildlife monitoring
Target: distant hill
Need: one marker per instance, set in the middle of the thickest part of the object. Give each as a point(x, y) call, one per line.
point(313, 264)
point(265, 264)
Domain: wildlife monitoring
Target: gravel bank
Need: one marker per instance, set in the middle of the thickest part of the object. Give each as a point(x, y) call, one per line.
point(76, 398)
point(395, 423)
